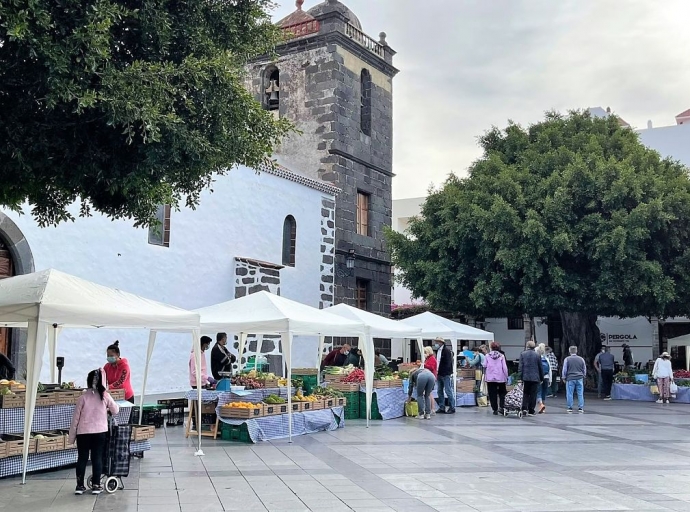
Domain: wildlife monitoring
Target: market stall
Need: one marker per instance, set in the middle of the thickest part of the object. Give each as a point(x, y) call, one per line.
point(638, 385)
point(47, 300)
point(681, 341)
point(263, 313)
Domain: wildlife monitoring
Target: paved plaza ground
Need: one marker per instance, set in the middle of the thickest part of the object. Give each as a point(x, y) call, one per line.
point(617, 456)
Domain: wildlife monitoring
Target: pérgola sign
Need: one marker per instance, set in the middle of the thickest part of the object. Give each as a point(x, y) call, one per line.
point(608, 338)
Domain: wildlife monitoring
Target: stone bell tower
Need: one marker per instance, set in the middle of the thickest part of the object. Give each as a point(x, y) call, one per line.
point(335, 83)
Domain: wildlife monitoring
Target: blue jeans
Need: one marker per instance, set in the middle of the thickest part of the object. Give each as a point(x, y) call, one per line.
point(572, 386)
point(446, 389)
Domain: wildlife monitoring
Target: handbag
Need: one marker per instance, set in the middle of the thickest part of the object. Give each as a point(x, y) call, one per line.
point(411, 409)
point(484, 388)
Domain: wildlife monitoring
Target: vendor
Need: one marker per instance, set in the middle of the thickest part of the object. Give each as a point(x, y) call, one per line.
point(117, 372)
point(206, 381)
point(355, 358)
point(336, 357)
point(221, 358)
point(381, 360)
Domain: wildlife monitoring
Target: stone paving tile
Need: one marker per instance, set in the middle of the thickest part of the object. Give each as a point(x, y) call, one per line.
point(616, 457)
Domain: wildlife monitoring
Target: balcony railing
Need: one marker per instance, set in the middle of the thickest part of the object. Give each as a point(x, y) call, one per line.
point(301, 29)
point(360, 37)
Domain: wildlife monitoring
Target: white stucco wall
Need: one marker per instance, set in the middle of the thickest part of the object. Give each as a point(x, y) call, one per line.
point(242, 217)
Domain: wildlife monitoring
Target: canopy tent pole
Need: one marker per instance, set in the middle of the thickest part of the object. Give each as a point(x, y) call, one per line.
point(243, 343)
point(35, 347)
point(286, 339)
point(322, 343)
point(420, 346)
point(454, 344)
point(52, 351)
point(368, 353)
point(149, 351)
point(196, 335)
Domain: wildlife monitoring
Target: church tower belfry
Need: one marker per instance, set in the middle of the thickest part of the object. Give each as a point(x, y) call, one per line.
point(335, 83)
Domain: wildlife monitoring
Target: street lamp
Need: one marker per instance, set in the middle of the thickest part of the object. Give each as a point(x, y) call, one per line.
point(349, 265)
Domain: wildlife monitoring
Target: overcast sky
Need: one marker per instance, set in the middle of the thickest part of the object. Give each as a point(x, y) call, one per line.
point(466, 65)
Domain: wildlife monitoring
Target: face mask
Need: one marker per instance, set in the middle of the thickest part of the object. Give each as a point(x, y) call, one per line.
point(112, 360)
point(436, 346)
point(347, 352)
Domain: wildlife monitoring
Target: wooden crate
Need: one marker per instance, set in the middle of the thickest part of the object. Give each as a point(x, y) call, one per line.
point(143, 432)
point(275, 409)
point(297, 406)
point(15, 444)
point(52, 442)
point(466, 373)
point(12, 401)
point(65, 433)
point(381, 384)
point(317, 405)
point(3, 449)
point(117, 394)
point(328, 403)
point(395, 383)
point(270, 383)
point(241, 413)
point(407, 367)
point(307, 406)
point(333, 378)
point(305, 371)
point(345, 387)
point(46, 399)
point(67, 397)
point(339, 402)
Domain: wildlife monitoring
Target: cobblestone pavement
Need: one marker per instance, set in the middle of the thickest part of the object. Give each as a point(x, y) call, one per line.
point(617, 456)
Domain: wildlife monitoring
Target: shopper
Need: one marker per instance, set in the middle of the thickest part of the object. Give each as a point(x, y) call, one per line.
point(553, 363)
point(206, 381)
point(574, 374)
point(431, 364)
point(423, 381)
point(628, 358)
point(88, 428)
point(598, 371)
point(336, 357)
point(221, 358)
point(531, 373)
point(607, 364)
point(663, 373)
point(446, 386)
point(117, 372)
point(496, 378)
point(543, 389)
point(7, 370)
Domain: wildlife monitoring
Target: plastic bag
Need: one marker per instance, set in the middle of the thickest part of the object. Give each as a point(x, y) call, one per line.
point(674, 389)
point(482, 401)
point(654, 389)
point(411, 409)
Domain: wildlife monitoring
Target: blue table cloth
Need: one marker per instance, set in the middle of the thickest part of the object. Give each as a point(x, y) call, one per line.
point(256, 395)
point(391, 401)
point(640, 392)
point(277, 427)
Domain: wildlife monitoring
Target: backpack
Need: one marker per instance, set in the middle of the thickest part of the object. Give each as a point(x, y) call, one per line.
point(546, 367)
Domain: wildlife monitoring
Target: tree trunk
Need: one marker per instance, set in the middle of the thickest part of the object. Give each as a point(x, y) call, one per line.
point(581, 330)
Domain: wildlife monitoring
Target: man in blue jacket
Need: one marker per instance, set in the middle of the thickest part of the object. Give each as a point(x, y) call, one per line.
point(531, 373)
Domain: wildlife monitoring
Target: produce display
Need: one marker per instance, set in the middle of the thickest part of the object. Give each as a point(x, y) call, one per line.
point(67, 385)
point(356, 375)
point(240, 405)
point(299, 397)
point(338, 370)
point(274, 400)
point(247, 382)
point(327, 392)
point(678, 374)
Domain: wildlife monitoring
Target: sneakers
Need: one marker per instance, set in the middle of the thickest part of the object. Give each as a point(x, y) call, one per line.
point(96, 490)
point(581, 411)
point(495, 413)
point(427, 416)
point(660, 401)
point(440, 411)
point(549, 396)
point(451, 411)
point(570, 411)
point(607, 397)
point(531, 414)
point(420, 417)
point(80, 490)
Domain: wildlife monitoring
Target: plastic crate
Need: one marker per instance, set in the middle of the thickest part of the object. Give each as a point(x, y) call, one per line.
point(352, 406)
point(309, 382)
point(375, 414)
point(152, 415)
point(236, 433)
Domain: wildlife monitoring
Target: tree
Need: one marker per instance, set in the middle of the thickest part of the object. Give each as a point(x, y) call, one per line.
point(572, 215)
point(126, 105)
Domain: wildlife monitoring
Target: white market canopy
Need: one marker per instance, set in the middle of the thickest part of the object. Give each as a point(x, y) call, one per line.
point(51, 298)
point(682, 341)
point(266, 313)
point(434, 326)
point(376, 327)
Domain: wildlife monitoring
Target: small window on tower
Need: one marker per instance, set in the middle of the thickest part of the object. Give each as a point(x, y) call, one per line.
point(365, 104)
point(272, 91)
point(362, 213)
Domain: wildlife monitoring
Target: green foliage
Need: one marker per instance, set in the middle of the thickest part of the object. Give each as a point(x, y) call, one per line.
point(572, 214)
point(127, 104)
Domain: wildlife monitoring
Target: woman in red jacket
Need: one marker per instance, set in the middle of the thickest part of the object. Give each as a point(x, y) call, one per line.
point(117, 372)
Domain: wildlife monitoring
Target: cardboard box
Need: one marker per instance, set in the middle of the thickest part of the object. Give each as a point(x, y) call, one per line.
point(241, 413)
point(143, 432)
